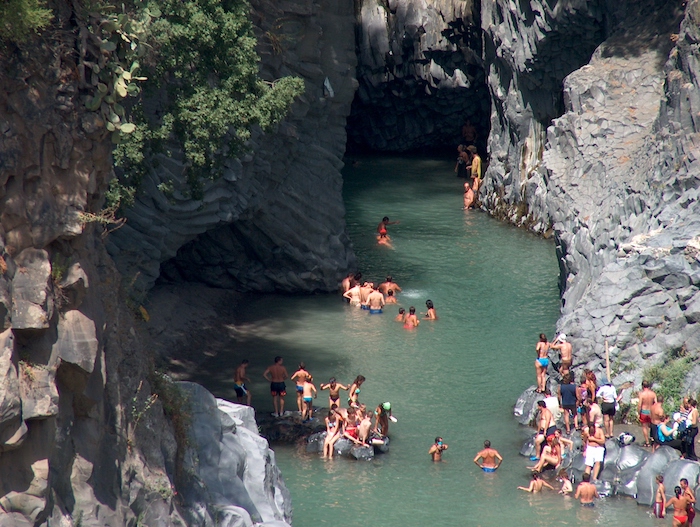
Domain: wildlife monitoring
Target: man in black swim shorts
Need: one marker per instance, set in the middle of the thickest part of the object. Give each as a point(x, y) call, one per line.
point(277, 374)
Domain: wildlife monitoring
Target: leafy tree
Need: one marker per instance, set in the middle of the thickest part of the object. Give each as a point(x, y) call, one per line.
point(203, 71)
point(20, 18)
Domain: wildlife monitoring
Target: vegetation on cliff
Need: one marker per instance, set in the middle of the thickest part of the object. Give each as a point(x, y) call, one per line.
point(20, 18)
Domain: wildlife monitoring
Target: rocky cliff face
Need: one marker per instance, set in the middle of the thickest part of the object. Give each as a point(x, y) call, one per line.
point(420, 75)
point(615, 177)
point(275, 220)
point(82, 440)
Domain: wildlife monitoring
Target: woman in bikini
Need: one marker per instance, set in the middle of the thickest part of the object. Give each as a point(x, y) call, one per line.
point(333, 388)
point(333, 433)
point(542, 362)
point(354, 392)
point(300, 376)
point(550, 457)
point(680, 506)
point(411, 320)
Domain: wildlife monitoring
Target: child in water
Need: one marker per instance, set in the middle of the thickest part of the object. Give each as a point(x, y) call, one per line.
point(430, 315)
point(566, 486)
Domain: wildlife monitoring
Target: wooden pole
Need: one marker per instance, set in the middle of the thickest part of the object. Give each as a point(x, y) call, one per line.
point(607, 360)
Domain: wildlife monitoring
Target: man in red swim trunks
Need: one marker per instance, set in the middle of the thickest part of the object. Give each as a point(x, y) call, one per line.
point(276, 375)
point(647, 398)
point(381, 228)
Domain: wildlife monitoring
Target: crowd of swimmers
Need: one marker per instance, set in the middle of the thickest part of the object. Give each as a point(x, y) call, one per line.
point(590, 408)
point(374, 298)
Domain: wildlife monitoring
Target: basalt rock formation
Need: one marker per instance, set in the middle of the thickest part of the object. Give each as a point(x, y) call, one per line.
point(275, 220)
point(83, 440)
point(613, 173)
point(420, 75)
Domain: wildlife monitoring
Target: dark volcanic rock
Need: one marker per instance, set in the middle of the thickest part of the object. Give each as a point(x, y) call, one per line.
point(420, 75)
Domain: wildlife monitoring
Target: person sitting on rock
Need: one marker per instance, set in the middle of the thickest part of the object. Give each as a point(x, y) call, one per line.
point(363, 429)
point(381, 421)
point(668, 436)
point(350, 432)
point(333, 432)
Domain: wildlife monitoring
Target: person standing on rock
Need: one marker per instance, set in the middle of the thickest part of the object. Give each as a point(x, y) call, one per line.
point(609, 397)
point(309, 393)
point(239, 380)
point(595, 450)
point(545, 428)
point(300, 376)
point(691, 430)
point(586, 491)
point(276, 375)
point(656, 415)
point(565, 352)
point(542, 362)
point(647, 399)
point(475, 168)
point(567, 400)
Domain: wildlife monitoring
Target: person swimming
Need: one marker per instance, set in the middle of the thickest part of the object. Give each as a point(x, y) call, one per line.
point(390, 298)
point(430, 315)
point(411, 320)
point(401, 317)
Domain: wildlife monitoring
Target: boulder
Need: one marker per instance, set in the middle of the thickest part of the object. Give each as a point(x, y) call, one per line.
point(77, 340)
point(526, 405)
point(655, 464)
point(32, 305)
point(362, 452)
point(677, 470)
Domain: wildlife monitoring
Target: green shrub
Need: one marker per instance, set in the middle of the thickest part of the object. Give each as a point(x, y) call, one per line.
point(203, 71)
point(668, 378)
point(21, 18)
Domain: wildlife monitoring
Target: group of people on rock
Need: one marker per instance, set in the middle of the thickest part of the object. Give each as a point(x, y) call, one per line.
point(469, 167)
point(683, 502)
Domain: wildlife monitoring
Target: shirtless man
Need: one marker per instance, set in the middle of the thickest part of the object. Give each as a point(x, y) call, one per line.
point(239, 380)
point(437, 449)
point(488, 457)
point(595, 449)
point(647, 399)
point(545, 427)
point(411, 321)
point(300, 376)
point(390, 298)
point(565, 352)
point(365, 290)
point(276, 375)
point(375, 301)
point(309, 393)
point(536, 484)
point(660, 498)
point(690, 496)
point(353, 296)
point(381, 228)
point(333, 388)
point(469, 133)
point(586, 491)
point(656, 414)
point(364, 428)
point(468, 196)
point(389, 285)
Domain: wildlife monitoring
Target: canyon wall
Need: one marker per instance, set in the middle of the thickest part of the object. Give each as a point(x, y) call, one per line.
point(84, 438)
point(610, 169)
point(420, 75)
point(276, 219)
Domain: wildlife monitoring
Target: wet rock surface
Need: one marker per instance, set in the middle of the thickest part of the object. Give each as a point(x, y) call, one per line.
point(609, 169)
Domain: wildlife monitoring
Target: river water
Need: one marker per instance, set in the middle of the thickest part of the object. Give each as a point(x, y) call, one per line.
point(494, 289)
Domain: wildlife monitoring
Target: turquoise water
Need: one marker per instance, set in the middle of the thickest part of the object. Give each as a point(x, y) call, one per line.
point(494, 289)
